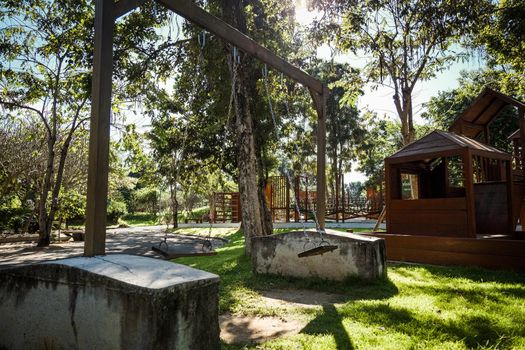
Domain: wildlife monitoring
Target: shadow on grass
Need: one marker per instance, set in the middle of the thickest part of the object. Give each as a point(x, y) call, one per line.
point(476, 323)
point(330, 322)
point(474, 274)
point(238, 282)
point(474, 331)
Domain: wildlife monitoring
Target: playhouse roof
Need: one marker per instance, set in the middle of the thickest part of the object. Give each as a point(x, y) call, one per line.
point(441, 143)
point(482, 111)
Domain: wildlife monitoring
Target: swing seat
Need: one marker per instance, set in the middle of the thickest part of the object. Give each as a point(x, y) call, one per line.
point(320, 250)
point(179, 251)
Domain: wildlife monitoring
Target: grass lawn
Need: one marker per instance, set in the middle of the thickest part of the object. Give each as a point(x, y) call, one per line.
point(417, 307)
point(141, 219)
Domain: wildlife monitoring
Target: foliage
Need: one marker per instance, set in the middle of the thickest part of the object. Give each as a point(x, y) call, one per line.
point(383, 139)
point(44, 73)
point(13, 219)
point(147, 199)
point(408, 40)
point(140, 219)
point(344, 122)
point(356, 189)
point(116, 210)
point(418, 306)
point(501, 37)
point(22, 160)
point(72, 206)
point(444, 108)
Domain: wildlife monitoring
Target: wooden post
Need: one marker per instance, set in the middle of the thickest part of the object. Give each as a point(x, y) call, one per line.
point(469, 192)
point(388, 196)
point(510, 201)
point(97, 186)
point(521, 116)
point(321, 156)
point(296, 199)
point(287, 187)
point(306, 201)
point(342, 197)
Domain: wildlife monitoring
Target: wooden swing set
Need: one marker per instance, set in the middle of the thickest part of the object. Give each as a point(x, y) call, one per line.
point(106, 13)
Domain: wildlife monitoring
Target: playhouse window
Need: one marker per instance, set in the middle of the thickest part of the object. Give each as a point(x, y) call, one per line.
point(409, 186)
point(455, 172)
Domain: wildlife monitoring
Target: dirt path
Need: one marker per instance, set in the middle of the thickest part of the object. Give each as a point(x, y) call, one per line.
point(134, 240)
point(242, 329)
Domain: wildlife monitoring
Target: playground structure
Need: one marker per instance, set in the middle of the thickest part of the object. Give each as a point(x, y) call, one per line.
point(295, 202)
point(226, 206)
point(452, 199)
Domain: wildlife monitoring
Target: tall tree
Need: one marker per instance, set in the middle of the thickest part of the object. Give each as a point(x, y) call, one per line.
point(45, 69)
point(44, 73)
point(235, 133)
point(501, 37)
point(408, 40)
point(252, 206)
point(446, 106)
point(344, 130)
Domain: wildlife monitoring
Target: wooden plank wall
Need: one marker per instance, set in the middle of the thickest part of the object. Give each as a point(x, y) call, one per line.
point(491, 253)
point(439, 216)
point(491, 208)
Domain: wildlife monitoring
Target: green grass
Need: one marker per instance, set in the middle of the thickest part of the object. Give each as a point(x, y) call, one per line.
point(417, 307)
point(141, 219)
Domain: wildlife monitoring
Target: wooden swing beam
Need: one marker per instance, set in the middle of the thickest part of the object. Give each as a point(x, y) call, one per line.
point(106, 13)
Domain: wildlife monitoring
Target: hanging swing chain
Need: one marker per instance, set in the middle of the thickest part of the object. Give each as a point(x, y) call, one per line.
point(178, 156)
point(192, 102)
point(296, 149)
point(235, 61)
point(283, 164)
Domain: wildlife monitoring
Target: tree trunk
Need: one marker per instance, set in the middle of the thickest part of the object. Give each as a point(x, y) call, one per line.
point(43, 229)
point(174, 204)
point(252, 207)
point(404, 111)
point(58, 183)
point(266, 215)
point(247, 164)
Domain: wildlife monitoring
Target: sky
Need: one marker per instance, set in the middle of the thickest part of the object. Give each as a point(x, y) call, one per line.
point(380, 100)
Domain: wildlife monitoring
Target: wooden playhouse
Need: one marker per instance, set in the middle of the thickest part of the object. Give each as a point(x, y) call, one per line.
point(449, 185)
point(453, 199)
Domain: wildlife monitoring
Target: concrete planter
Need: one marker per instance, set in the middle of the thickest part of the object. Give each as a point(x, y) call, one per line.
point(356, 256)
point(108, 302)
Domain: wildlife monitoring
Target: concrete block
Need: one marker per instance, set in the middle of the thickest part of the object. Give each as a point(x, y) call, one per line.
point(356, 256)
point(108, 302)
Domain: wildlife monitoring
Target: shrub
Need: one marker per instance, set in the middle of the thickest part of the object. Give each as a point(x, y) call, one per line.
point(147, 199)
point(116, 210)
point(72, 206)
point(13, 219)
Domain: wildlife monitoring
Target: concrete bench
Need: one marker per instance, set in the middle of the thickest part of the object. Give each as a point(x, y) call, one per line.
point(108, 302)
point(356, 256)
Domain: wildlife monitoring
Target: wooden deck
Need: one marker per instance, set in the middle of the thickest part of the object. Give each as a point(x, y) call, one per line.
point(484, 252)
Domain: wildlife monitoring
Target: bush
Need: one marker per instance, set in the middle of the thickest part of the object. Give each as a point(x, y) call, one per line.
point(116, 210)
point(72, 206)
point(147, 199)
point(13, 219)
